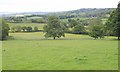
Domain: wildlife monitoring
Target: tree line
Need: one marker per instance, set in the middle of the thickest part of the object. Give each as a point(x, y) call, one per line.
point(4, 30)
point(25, 19)
point(56, 28)
point(95, 29)
point(112, 25)
point(23, 29)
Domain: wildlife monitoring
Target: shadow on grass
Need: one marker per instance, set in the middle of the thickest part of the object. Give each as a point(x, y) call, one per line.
point(64, 38)
point(37, 39)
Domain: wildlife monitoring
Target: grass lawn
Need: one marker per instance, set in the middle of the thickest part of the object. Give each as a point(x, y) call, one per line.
point(31, 51)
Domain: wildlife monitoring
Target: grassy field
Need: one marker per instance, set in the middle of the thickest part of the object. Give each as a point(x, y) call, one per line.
point(40, 26)
point(0, 56)
point(31, 51)
point(35, 17)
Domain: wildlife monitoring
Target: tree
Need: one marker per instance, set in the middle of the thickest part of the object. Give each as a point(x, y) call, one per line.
point(18, 28)
point(35, 28)
point(66, 26)
point(73, 23)
point(54, 28)
point(24, 28)
point(69, 20)
point(79, 29)
point(96, 28)
point(13, 29)
point(118, 20)
point(29, 29)
point(4, 30)
point(96, 32)
point(113, 23)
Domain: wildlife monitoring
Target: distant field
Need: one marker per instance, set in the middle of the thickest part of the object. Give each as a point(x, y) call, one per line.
point(39, 25)
point(34, 17)
point(31, 51)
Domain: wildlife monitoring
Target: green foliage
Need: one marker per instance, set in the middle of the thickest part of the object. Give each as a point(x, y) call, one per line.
point(54, 28)
point(18, 28)
point(0, 29)
point(76, 26)
point(25, 19)
point(35, 28)
point(24, 28)
point(118, 21)
point(79, 29)
point(13, 29)
point(4, 29)
point(40, 26)
point(96, 32)
point(113, 23)
point(96, 28)
point(72, 23)
point(29, 29)
point(65, 26)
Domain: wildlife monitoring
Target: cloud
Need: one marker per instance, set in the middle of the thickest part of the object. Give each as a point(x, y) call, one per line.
point(53, 5)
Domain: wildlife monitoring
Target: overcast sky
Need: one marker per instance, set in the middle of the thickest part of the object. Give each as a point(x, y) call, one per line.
point(53, 5)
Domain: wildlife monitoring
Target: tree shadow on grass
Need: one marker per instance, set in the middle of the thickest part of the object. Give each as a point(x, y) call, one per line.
point(43, 38)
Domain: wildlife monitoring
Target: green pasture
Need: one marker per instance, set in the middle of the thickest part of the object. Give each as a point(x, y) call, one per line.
point(0, 55)
point(31, 51)
point(36, 17)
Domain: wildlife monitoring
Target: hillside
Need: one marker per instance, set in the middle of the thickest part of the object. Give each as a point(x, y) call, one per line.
point(85, 12)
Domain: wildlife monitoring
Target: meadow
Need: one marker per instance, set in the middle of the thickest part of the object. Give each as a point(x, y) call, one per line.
point(0, 56)
point(31, 51)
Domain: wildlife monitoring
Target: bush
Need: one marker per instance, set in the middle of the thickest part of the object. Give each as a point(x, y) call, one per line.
point(35, 28)
point(29, 29)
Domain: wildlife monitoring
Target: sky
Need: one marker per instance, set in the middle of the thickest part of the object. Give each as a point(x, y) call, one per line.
point(53, 5)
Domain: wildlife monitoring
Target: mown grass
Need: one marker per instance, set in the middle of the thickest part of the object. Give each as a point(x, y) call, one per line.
point(31, 51)
point(0, 56)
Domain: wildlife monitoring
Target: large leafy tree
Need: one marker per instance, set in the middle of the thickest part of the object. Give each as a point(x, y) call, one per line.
point(112, 25)
point(4, 29)
point(96, 28)
point(54, 28)
point(29, 29)
point(118, 20)
point(24, 28)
